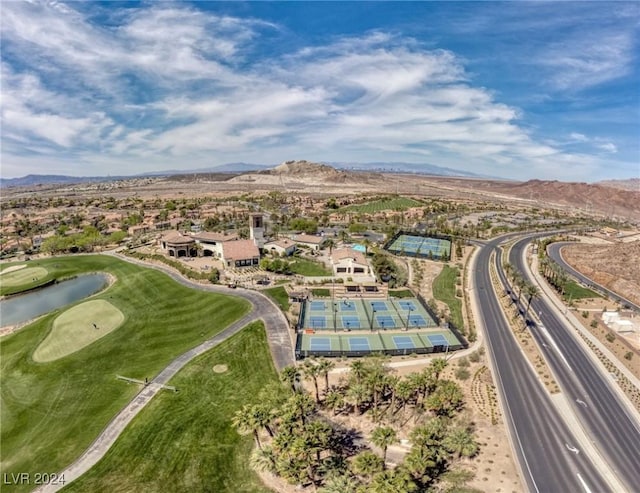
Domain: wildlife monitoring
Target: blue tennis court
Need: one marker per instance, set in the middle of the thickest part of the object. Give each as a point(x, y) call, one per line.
point(320, 344)
point(407, 305)
point(359, 344)
point(385, 321)
point(317, 305)
point(347, 306)
point(417, 321)
point(379, 306)
point(403, 342)
point(438, 340)
point(350, 322)
point(316, 322)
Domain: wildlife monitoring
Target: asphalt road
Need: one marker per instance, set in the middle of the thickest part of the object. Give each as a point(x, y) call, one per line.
point(555, 253)
point(541, 439)
point(607, 423)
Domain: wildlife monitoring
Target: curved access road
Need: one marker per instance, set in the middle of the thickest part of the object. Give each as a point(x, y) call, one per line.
point(262, 308)
point(606, 420)
point(544, 445)
point(555, 252)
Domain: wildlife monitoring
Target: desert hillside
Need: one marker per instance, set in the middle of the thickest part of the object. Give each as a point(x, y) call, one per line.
point(632, 184)
point(616, 266)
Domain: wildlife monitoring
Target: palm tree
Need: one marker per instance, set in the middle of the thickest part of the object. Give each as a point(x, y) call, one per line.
point(263, 459)
point(520, 282)
point(437, 366)
point(460, 442)
point(532, 292)
point(446, 399)
point(358, 370)
point(356, 394)
point(330, 243)
point(396, 481)
point(263, 415)
point(340, 484)
point(245, 422)
point(291, 376)
point(325, 366)
point(312, 371)
point(300, 406)
point(382, 437)
point(318, 436)
point(366, 464)
point(335, 401)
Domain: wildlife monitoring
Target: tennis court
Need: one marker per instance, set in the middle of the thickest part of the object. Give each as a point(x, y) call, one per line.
point(350, 322)
point(365, 342)
point(404, 342)
point(359, 344)
point(363, 314)
point(318, 306)
point(420, 246)
point(320, 344)
point(438, 340)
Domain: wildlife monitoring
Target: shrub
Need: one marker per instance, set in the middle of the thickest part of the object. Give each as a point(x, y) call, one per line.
point(474, 357)
point(628, 356)
point(594, 323)
point(610, 337)
point(585, 314)
point(462, 374)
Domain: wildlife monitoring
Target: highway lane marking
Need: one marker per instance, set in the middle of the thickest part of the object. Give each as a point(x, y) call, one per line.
point(553, 343)
point(571, 448)
point(584, 484)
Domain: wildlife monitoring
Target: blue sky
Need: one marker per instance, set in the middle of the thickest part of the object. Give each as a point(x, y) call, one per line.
point(518, 90)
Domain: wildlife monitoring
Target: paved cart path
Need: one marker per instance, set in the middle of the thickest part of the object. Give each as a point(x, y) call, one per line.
point(262, 308)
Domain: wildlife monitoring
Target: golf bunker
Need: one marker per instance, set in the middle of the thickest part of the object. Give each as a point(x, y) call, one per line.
point(78, 327)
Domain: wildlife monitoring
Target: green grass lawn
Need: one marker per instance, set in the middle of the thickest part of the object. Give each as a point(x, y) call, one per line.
point(402, 293)
point(444, 289)
point(185, 441)
point(24, 279)
point(305, 267)
point(396, 203)
point(322, 292)
point(574, 291)
point(51, 412)
point(279, 295)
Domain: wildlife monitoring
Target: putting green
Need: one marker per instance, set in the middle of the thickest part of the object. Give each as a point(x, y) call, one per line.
point(22, 276)
point(74, 329)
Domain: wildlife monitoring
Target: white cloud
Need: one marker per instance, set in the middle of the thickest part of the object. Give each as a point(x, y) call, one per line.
point(589, 59)
point(172, 86)
point(608, 146)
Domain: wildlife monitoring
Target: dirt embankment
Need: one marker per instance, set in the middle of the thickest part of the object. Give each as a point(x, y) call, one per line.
point(616, 267)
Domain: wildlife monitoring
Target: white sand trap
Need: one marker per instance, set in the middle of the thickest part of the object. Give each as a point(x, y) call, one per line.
point(13, 268)
point(78, 327)
point(220, 368)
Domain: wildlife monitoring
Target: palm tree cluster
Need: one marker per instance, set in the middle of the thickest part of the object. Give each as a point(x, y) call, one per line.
point(524, 286)
point(305, 448)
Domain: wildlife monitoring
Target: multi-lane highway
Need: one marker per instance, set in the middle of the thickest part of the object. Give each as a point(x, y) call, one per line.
point(612, 429)
point(546, 448)
point(556, 255)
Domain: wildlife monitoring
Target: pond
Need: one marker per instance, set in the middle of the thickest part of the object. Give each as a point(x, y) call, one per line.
point(24, 307)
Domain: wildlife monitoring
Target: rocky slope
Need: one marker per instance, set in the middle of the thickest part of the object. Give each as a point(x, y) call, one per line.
point(616, 267)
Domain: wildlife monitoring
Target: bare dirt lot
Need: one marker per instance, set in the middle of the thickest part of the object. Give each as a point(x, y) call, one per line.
point(616, 266)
